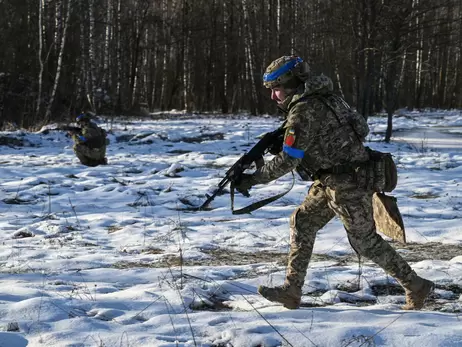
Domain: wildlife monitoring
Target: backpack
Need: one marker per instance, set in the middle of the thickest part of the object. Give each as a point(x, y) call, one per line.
point(346, 115)
point(382, 169)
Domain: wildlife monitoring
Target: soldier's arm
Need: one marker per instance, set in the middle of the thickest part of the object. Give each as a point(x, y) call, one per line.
point(300, 130)
point(87, 135)
point(75, 138)
point(90, 133)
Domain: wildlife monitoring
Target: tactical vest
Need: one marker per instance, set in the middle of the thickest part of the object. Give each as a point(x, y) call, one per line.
point(340, 138)
point(346, 116)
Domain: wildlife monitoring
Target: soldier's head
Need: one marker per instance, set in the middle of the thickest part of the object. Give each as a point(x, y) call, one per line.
point(284, 75)
point(83, 118)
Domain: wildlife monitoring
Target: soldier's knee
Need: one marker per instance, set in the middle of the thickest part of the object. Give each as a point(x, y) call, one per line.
point(293, 216)
point(366, 242)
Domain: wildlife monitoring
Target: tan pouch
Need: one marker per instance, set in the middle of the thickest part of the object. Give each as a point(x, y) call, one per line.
point(387, 217)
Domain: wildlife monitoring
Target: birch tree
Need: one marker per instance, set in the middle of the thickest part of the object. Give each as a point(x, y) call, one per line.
point(40, 57)
point(61, 41)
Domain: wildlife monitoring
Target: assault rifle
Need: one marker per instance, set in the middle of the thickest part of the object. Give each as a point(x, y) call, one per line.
point(254, 155)
point(71, 129)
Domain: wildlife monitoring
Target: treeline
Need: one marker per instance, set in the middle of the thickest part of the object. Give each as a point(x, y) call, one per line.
point(59, 57)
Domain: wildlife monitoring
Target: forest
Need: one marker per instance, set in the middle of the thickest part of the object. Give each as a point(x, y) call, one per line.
point(129, 57)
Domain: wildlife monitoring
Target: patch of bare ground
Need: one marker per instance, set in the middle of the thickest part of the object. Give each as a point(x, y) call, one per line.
point(414, 252)
point(445, 299)
point(411, 252)
point(222, 257)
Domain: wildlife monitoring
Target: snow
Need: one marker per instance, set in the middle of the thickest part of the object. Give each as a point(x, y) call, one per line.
point(111, 256)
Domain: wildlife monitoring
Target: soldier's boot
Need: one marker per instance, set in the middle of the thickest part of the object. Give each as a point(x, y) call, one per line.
point(417, 290)
point(287, 294)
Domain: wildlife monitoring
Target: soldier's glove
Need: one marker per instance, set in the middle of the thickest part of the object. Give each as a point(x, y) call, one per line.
point(244, 183)
point(276, 147)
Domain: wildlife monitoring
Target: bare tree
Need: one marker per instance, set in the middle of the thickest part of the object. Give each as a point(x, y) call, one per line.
point(60, 39)
point(382, 55)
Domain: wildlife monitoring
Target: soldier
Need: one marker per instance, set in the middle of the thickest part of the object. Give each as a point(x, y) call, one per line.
point(324, 142)
point(90, 142)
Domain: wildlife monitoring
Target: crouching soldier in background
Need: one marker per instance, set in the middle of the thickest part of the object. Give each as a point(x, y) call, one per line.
point(324, 143)
point(90, 143)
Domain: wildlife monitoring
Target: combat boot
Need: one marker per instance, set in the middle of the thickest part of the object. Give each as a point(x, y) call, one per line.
point(417, 292)
point(288, 295)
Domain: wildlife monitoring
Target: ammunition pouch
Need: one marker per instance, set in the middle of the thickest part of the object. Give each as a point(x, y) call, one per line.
point(379, 173)
point(382, 170)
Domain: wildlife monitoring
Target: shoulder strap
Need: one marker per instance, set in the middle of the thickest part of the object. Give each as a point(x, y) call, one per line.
point(258, 204)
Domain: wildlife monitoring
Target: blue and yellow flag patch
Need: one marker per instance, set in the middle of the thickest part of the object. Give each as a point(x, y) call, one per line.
point(289, 142)
point(290, 137)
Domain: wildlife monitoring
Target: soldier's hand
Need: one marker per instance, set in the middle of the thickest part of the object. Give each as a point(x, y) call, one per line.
point(244, 183)
point(275, 148)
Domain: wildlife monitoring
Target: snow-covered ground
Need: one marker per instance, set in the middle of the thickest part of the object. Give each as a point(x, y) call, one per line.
point(111, 256)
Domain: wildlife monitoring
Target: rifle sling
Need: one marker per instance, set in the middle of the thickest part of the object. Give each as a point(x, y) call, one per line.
point(256, 205)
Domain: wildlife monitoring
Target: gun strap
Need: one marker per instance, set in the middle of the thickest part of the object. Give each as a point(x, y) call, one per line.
point(258, 204)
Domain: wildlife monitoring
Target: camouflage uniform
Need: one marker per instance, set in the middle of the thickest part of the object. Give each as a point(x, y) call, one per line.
point(90, 145)
point(318, 139)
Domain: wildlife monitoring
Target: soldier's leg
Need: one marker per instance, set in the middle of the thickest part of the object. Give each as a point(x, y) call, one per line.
point(305, 221)
point(80, 153)
point(91, 156)
point(354, 207)
point(81, 157)
point(84, 155)
point(101, 154)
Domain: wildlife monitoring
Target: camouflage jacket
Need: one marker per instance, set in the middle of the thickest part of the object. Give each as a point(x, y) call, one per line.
point(316, 137)
point(91, 135)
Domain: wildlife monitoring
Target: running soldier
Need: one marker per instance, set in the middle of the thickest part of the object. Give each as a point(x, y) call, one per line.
point(323, 142)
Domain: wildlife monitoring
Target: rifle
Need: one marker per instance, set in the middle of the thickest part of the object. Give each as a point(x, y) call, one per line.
point(254, 155)
point(71, 129)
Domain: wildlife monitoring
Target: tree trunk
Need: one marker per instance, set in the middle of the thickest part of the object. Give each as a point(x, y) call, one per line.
point(62, 42)
point(40, 59)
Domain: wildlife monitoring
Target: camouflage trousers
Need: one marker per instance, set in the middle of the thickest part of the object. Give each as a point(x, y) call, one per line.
point(90, 156)
point(340, 196)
